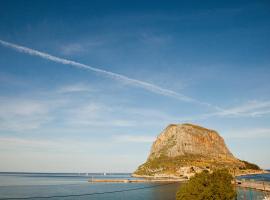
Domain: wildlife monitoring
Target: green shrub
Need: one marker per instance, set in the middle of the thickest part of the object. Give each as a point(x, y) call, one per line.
point(208, 186)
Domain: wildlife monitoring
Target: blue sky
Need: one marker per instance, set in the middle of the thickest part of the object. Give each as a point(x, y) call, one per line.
point(162, 62)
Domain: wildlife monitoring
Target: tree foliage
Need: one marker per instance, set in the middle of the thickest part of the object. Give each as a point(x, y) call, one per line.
point(208, 186)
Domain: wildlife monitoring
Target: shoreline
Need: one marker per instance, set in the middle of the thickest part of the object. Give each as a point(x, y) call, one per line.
point(253, 173)
point(158, 177)
point(252, 184)
point(242, 173)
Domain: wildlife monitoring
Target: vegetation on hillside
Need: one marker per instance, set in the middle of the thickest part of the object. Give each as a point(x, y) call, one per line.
point(249, 165)
point(208, 186)
point(165, 164)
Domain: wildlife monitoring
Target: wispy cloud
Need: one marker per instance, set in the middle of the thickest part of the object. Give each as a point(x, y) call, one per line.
point(135, 82)
point(8, 79)
point(74, 88)
point(18, 142)
point(253, 133)
point(156, 40)
point(96, 114)
point(27, 113)
point(134, 138)
point(34, 113)
point(22, 108)
point(56, 144)
point(80, 47)
point(22, 114)
point(89, 115)
point(249, 109)
point(71, 49)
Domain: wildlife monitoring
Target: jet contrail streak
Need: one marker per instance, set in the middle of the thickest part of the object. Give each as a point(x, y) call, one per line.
point(142, 84)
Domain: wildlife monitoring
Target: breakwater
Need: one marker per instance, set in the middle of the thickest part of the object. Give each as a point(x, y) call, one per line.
point(257, 185)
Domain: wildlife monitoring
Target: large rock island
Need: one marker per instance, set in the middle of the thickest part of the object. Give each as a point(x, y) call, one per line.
point(182, 150)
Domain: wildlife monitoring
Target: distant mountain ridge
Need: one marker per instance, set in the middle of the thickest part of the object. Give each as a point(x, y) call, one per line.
point(181, 150)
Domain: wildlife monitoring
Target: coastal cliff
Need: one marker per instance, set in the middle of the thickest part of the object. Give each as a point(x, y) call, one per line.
point(182, 150)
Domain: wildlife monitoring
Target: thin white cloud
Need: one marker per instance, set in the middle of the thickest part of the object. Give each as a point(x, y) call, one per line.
point(21, 108)
point(74, 88)
point(135, 138)
point(79, 47)
point(24, 114)
point(253, 133)
point(10, 79)
point(71, 49)
point(59, 145)
point(156, 40)
point(260, 113)
point(33, 114)
point(96, 115)
point(138, 83)
point(249, 109)
point(18, 142)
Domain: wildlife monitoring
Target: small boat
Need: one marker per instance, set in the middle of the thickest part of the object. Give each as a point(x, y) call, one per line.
point(104, 174)
point(266, 198)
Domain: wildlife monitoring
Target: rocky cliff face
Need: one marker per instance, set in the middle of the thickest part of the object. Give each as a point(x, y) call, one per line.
point(184, 149)
point(187, 139)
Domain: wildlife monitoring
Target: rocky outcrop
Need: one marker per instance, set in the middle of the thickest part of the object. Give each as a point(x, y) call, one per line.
point(182, 150)
point(187, 139)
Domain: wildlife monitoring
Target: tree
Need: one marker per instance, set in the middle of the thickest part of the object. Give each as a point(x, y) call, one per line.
point(208, 186)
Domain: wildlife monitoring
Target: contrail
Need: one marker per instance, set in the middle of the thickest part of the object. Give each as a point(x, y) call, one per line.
point(138, 83)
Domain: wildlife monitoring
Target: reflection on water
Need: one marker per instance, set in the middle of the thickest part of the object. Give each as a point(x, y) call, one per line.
point(31, 184)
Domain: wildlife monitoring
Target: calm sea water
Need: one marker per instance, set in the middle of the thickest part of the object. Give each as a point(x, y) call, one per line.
point(257, 177)
point(14, 185)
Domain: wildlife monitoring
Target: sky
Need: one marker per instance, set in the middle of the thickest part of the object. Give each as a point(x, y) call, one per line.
point(87, 86)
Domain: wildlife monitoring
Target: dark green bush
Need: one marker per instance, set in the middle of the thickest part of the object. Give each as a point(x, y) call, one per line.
point(208, 186)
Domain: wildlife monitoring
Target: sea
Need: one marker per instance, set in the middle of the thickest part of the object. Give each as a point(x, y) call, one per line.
point(76, 186)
